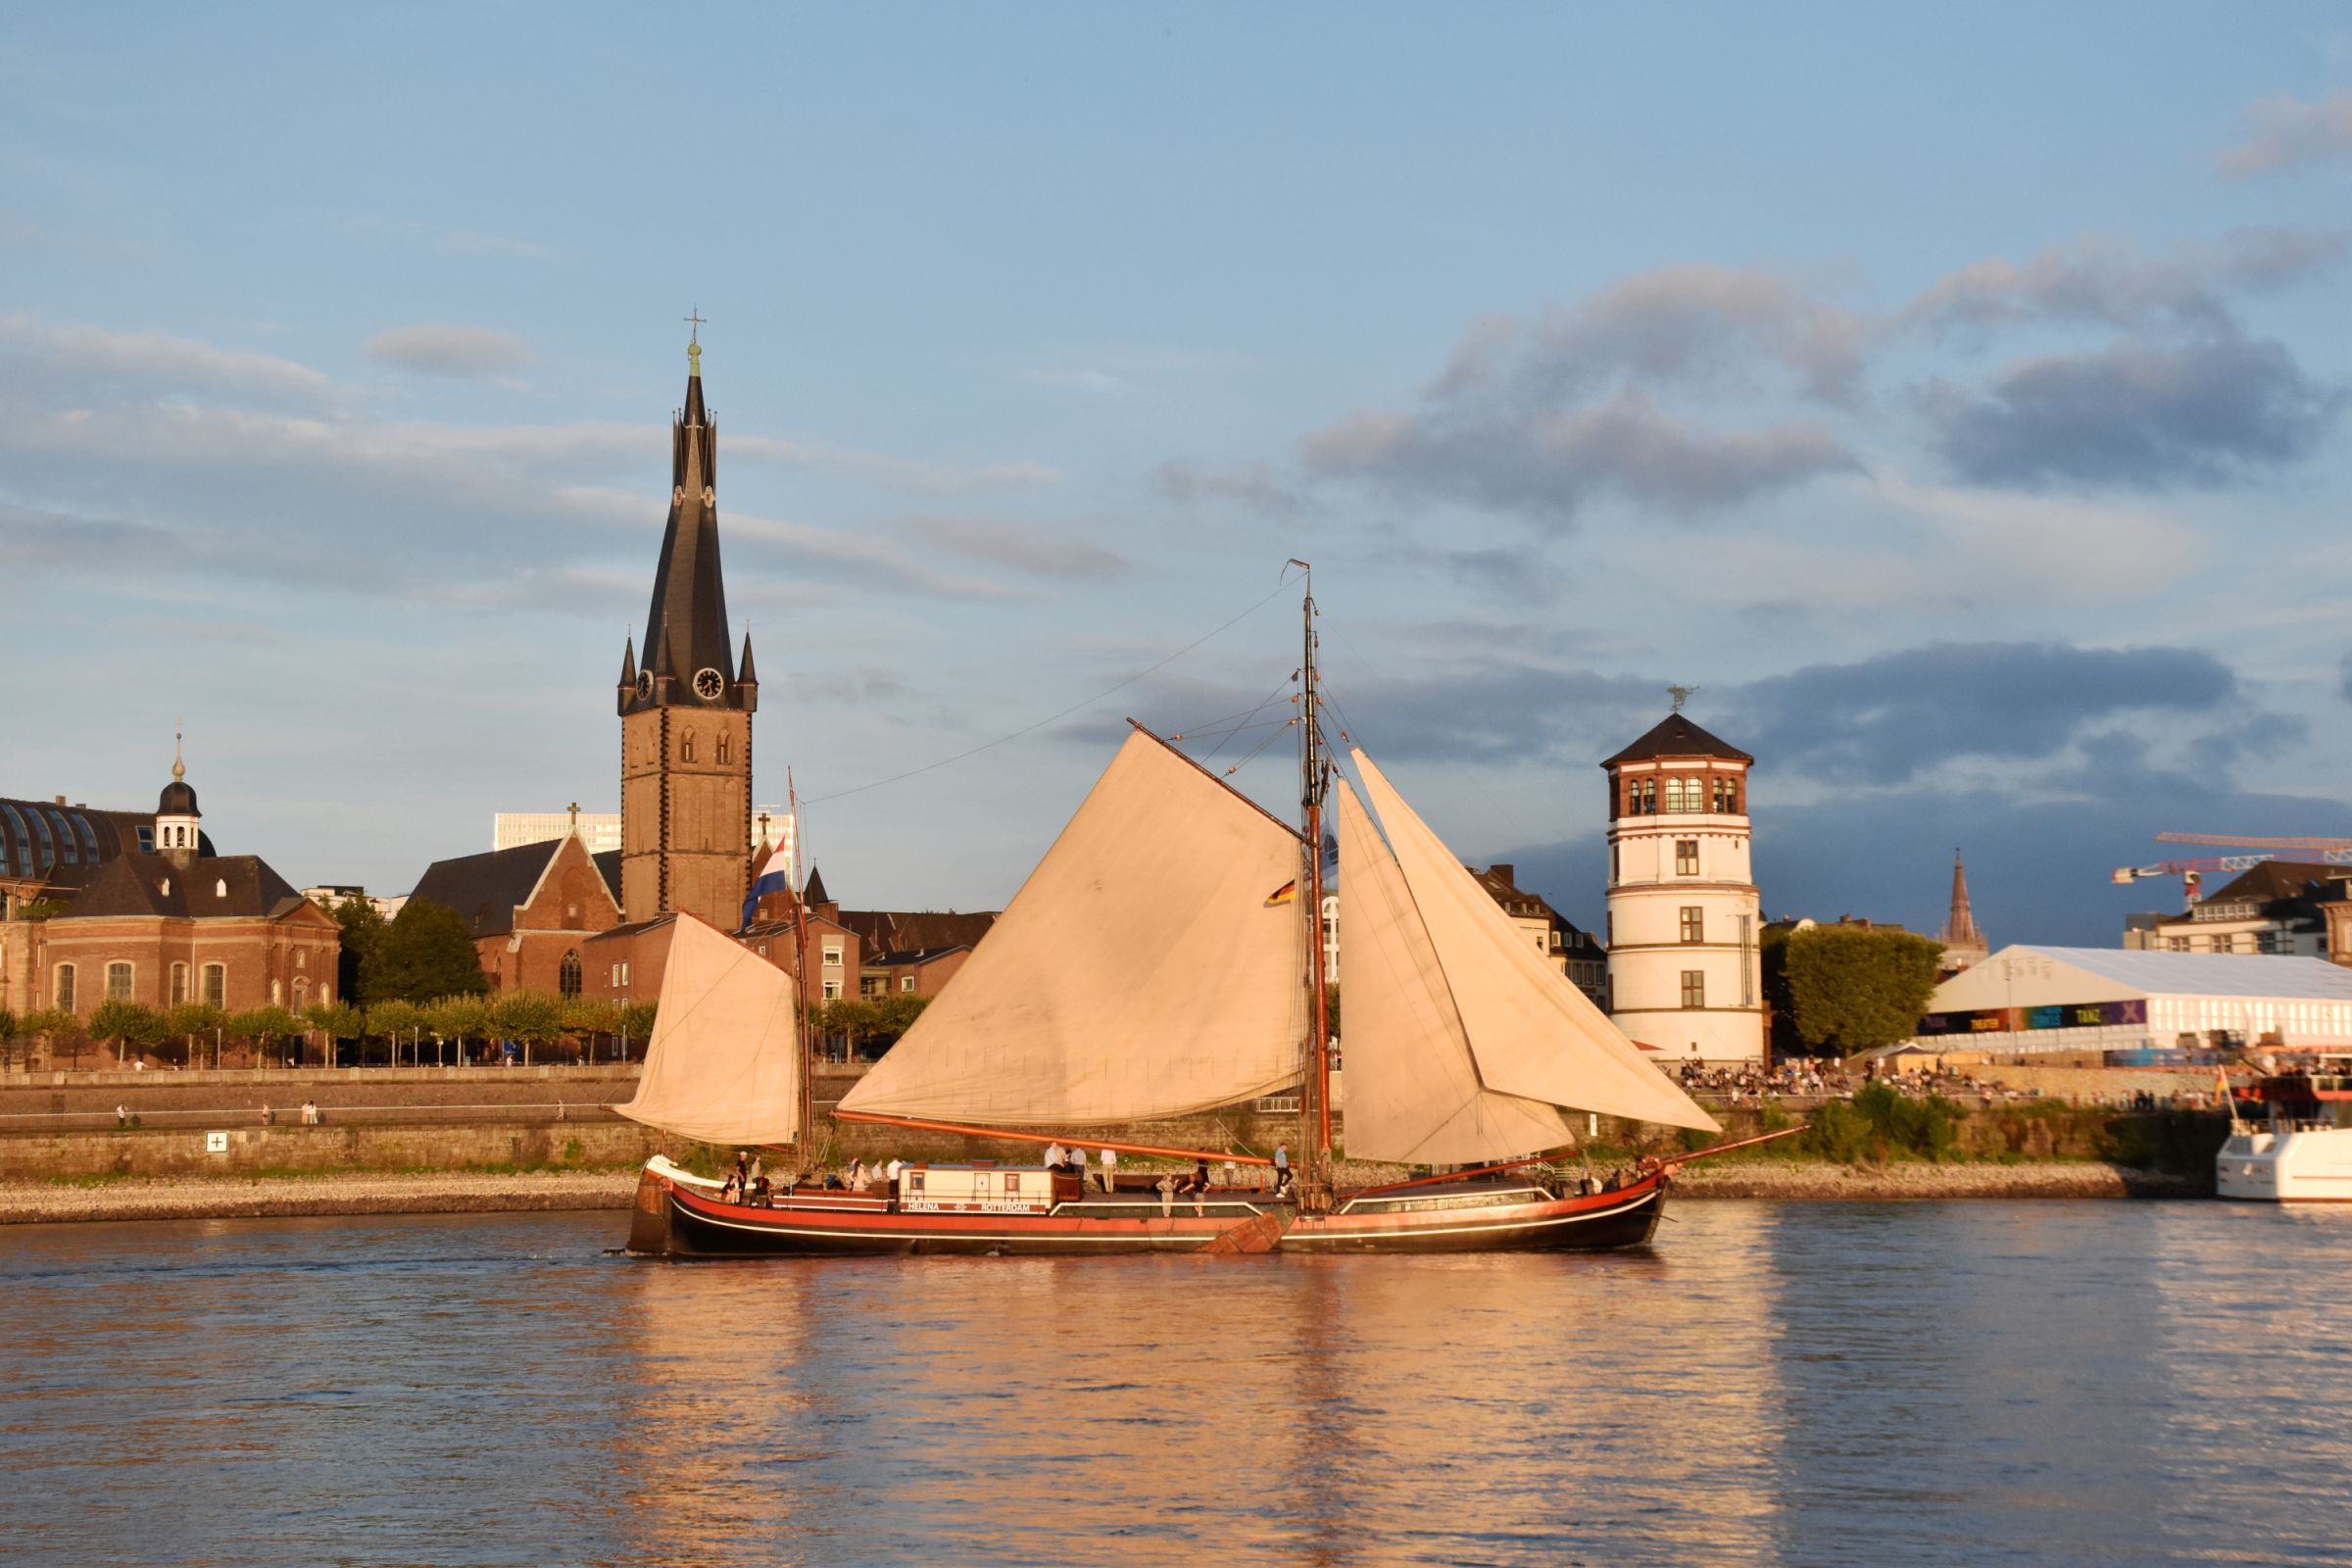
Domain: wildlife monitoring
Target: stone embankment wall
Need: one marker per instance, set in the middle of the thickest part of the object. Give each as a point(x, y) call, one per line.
point(277, 1150)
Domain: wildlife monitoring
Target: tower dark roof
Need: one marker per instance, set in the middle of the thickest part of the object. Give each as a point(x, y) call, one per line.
point(744, 672)
point(686, 623)
point(177, 799)
point(1676, 735)
point(814, 892)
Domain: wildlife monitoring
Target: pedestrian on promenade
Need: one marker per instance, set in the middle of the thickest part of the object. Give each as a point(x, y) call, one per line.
point(121, 1116)
point(268, 1116)
point(1111, 1169)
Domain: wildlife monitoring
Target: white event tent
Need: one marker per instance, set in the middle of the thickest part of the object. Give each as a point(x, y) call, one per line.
point(2030, 1000)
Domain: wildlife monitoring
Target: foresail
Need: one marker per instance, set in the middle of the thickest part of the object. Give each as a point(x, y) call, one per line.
point(1532, 1032)
point(724, 1063)
point(1152, 965)
point(1412, 1089)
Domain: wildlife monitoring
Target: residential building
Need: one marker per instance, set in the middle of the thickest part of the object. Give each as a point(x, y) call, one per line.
point(918, 973)
point(1682, 907)
point(2276, 907)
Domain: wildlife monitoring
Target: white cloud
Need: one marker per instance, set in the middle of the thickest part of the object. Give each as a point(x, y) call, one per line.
point(2287, 133)
point(75, 358)
point(467, 353)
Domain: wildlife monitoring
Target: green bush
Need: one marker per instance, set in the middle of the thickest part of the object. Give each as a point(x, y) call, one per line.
point(1879, 1124)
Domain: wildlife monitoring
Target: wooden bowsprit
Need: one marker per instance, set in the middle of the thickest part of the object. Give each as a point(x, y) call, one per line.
point(1261, 1231)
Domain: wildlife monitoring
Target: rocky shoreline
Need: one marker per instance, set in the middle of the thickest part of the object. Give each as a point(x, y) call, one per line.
point(471, 1191)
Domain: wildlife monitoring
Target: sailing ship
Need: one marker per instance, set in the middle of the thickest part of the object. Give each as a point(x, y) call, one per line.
point(1165, 960)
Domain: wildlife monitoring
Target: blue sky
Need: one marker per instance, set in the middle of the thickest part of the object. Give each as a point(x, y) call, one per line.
point(1957, 399)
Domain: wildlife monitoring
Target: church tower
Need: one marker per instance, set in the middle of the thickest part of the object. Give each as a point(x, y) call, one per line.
point(1964, 946)
point(686, 710)
point(1685, 974)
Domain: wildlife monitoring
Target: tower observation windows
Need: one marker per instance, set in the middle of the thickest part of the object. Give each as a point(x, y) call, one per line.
point(1685, 857)
point(1694, 923)
point(1695, 988)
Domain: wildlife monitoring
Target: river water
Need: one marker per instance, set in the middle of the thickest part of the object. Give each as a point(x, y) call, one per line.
point(1928, 1383)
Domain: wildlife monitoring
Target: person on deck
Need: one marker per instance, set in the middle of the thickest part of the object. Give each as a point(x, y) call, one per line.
point(1281, 1167)
point(1197, 1182)
point(742, 1170)
point(1055, 1156)
point(1110, 1170)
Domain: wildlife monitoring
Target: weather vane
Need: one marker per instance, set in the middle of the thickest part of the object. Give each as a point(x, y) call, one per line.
point(1680, 694)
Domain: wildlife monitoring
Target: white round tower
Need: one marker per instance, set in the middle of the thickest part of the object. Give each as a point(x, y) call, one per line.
point(1684, 915)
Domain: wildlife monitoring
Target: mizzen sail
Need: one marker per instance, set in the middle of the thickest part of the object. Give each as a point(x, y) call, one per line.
point(1532, 1033)
point(1413, 1090)
point(1151, 965)
point(724, 1063)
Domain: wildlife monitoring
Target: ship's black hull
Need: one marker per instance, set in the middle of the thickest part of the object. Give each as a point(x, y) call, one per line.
point(674, 1221)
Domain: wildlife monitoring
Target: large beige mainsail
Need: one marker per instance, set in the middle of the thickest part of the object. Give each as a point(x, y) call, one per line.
point(724, 1064)
point(1532, 1033)
point(1413, 1093)
point(1151, 966)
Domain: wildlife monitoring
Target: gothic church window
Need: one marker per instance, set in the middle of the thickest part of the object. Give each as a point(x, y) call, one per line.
point(726, 749)
point(686, 747)
point(568, 975)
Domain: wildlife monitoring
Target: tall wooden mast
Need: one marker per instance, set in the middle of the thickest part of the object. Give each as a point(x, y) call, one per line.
point(1314, 1100)
point(800, 984)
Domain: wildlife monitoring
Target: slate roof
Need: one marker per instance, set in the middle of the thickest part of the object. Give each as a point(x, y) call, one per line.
point(64, 844)
point(906, 931)
point(608, 866)
point(1676, 735)
point(2296, 883)
point(205, 888)
point(486, 888)
point(686, 623)
point(894, 960)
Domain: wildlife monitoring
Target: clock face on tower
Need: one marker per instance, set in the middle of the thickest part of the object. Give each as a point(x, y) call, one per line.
point(645, 683)
point(707, 684)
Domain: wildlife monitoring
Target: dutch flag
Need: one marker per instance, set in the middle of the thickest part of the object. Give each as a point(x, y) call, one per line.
point(774, 877)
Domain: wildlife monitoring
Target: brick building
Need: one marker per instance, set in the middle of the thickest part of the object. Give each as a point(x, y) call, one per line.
point(531, 910)
point(686, 713)
point(161, 919)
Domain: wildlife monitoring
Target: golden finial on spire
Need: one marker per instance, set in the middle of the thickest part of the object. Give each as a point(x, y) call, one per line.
point(694, 343)
point(179, 769)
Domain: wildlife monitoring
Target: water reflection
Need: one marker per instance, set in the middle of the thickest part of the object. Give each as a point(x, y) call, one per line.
point(2096, 1382)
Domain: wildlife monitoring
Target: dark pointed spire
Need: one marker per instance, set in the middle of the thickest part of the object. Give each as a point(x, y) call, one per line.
point(629, 661)
point(745, 674)
point(1960, 925)
point(687, 646)
point(814, 892)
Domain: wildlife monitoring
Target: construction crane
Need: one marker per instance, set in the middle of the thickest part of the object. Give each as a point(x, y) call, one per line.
point(2332, 851)
point(2192, 873)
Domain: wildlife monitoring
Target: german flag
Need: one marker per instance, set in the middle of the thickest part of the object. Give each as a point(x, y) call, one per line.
point(1282, 893)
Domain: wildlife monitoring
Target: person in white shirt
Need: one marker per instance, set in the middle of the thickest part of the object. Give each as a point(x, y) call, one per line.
point(892, 1171)
point(1111, 1169)
point(1055, 1158)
